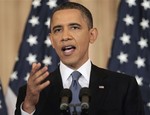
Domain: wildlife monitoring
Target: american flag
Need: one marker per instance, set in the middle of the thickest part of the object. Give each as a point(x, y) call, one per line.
point(131, 46)
point(35, 47)
point(3, 109)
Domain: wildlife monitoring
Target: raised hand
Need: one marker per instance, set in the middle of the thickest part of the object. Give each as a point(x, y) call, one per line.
point(35, 85)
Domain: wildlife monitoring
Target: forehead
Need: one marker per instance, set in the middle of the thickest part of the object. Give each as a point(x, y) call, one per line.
point(67, 15)
point(67, 12)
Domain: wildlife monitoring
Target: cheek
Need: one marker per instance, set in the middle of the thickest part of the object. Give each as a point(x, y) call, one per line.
point(84, 39)
point(84, 43)
point(55, 42)
point(83, 36)
point(56, 45)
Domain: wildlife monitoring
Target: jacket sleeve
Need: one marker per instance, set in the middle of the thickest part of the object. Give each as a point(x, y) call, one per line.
point(20, 99)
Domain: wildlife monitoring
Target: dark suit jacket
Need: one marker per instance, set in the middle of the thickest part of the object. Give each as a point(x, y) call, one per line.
point(120, 95)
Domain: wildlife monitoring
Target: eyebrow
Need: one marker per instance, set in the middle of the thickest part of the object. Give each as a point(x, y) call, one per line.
point(72, 24)
point(60, 26)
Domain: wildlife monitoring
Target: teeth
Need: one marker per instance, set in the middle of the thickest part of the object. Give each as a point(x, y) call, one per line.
point(68, 48)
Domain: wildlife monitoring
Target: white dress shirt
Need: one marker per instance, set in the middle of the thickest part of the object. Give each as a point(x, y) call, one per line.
point(85, 70)
point(65, 72)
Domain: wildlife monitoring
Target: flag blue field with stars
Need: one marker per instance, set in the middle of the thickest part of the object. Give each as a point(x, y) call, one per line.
point(35, 47)
point(3, 109)
point(131, 46)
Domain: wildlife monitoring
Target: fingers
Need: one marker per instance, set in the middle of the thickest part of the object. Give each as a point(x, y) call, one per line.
point(40, 76)
point(41, 72)
point(35, 67)
point(37, 71)
point(37, 76)
point(43, 85)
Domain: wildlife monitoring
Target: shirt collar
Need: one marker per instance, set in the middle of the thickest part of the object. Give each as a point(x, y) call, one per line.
point(65, 71)
point(85, 70)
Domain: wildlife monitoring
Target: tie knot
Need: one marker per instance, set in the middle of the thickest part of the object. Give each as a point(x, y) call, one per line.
point(75, 75)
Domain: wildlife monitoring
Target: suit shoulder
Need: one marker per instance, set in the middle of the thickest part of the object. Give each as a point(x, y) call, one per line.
point(112, 74)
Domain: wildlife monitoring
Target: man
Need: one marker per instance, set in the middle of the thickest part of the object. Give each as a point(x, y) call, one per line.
point(71, 34)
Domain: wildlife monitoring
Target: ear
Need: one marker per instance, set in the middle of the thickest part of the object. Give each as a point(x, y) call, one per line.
point(93, 35)
point(51, 39)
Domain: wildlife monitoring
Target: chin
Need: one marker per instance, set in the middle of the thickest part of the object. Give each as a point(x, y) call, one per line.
point(67, 62)
point(70, 63)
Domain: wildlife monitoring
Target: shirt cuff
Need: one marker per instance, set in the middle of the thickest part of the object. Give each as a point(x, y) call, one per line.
point(25, 113)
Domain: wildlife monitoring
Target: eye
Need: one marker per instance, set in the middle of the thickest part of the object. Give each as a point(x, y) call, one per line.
point(57, 30)
point(74, 27)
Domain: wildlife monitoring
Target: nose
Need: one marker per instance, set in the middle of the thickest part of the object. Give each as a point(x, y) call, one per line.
point(66, 35)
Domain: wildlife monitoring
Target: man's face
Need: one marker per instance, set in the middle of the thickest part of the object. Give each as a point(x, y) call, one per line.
point(70, 37)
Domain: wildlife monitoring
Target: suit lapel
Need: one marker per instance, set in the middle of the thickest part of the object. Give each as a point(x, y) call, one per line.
point(57, 80)
point(98, 86)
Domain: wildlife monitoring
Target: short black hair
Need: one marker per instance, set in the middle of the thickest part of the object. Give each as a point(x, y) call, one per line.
point(73, 5)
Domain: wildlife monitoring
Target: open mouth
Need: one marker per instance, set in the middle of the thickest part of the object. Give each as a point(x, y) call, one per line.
point(67, 48)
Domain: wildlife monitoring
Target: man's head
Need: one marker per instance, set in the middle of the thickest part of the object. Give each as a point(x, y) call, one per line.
point(71, 33)
point(72, 5)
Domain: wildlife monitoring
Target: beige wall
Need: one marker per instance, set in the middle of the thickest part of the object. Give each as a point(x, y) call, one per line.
point(13, 15)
